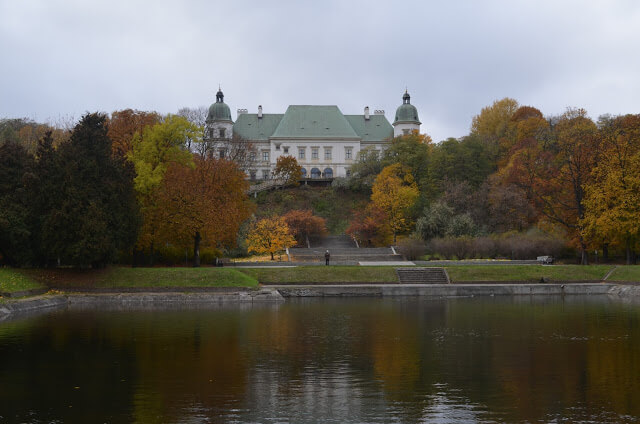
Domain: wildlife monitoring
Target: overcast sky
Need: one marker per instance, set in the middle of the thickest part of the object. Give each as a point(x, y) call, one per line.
point(64, 58)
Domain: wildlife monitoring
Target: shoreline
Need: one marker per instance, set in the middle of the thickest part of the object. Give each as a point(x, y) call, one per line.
point(280, 293)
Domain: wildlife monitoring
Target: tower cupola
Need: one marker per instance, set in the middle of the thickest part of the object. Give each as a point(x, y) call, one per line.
point(218, 124)
point(406, 119)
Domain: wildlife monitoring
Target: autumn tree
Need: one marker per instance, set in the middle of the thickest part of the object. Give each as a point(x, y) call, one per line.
point(493, 124)
point(302, 224)
point(288, 170)
point(27, 133)
point(369, 227)
point(270, 235)
point(413, 151)
point(124, 124)
point(554, 174)
point(153, 152)
point(395, 192)
point(203, 205)
point(612, 199)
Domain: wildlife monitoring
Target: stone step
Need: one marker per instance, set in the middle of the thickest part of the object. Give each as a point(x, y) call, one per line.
point(422, 276)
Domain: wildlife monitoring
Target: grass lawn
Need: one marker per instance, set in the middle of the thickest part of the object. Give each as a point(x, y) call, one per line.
point(115, 277)
point(323, 274)
point(527, 272)
point(626, 273)
point(12, 280)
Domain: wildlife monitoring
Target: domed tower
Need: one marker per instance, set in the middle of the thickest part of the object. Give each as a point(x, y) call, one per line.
point(218, 124)
point(406, 117)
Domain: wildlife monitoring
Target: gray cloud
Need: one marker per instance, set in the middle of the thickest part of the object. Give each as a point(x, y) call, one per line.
point(68, 57)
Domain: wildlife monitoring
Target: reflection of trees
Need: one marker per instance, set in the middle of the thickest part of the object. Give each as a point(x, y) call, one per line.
point(520, 359)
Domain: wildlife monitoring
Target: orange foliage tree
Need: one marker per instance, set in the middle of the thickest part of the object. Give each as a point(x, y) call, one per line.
point(303, 224)
point(368, 227)
point(288, 169)
point(270, 235)
point(124, 124)
point(554, 174)
point(204, 204)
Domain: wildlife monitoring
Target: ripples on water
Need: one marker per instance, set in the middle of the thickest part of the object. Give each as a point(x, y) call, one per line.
point(480, 360)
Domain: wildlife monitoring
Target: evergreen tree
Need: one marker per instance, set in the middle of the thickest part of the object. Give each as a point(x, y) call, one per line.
point(85, 197)
point(16, 167)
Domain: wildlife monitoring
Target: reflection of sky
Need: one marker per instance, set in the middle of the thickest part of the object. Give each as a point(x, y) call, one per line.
point(330, 395)
point(448, 407)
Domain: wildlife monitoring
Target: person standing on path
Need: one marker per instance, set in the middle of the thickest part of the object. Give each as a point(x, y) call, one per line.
point(326, 257)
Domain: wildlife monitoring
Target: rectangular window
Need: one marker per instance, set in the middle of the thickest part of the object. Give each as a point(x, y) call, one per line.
point(222, 153)
point(285, 150)
point(327, 153)
point(301, 152)
point(348, 152)
point(221, 132)
point(314, 153)
point(265, 174)
point(265, 156)
point(252, 156)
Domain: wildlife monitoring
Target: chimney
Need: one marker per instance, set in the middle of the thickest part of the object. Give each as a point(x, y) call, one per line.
point(366, 113)
point(260, 111)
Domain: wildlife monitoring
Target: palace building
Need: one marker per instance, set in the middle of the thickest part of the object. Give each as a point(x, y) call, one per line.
point(324, 141)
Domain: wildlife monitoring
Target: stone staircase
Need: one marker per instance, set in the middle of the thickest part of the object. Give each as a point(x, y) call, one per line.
point(422, 275)
point(343, 250)
point(254, 189)
point(344, 255)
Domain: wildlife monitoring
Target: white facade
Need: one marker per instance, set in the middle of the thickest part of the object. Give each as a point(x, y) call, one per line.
point(325, 142)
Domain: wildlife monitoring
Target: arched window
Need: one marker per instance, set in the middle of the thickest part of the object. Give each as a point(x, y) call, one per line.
point(315, 173)
point(304, 172)
point(328, 173)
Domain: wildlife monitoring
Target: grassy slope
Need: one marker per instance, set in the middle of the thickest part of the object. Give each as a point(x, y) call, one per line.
point(526, 272)
point(324, 274)
point(626, 273)
point(145, 277)
point(336, 207)
point(12, 280)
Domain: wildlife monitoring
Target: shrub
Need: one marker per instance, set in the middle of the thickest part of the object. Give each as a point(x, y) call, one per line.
point(411, 248)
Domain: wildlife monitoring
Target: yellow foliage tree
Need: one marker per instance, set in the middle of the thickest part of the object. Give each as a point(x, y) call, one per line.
point(270, 235)
point(612, 199)
point(395, 192)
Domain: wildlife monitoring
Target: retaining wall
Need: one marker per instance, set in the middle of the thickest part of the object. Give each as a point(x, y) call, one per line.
point(275, 294)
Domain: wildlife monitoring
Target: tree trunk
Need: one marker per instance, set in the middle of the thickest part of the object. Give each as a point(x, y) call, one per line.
point(629, 252)
point(196, 249)
point(584, 260)
point(272, 258)
point(605, 252)
point(151, 259)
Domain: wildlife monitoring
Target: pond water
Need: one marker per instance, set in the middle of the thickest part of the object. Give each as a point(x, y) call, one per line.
point(465, 360)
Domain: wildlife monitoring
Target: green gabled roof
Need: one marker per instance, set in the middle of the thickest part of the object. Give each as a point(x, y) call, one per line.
point(314, 122)
point(250, 127)
point(376, 128)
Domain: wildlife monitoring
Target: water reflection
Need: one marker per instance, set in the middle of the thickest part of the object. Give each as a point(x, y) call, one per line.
point(522, 359)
